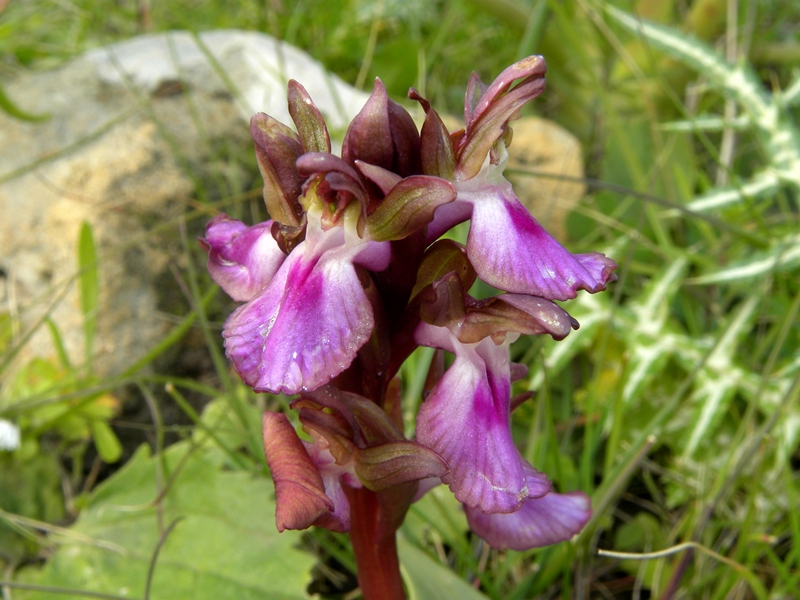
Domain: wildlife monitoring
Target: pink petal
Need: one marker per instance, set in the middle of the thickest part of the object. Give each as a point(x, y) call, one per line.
point(466, 420)
point(448, 216)
point(308, 324)
point(540, 522)
point(241, 259)
point(512, 252)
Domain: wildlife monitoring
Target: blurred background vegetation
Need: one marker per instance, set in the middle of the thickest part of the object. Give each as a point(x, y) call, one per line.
point(675, 405)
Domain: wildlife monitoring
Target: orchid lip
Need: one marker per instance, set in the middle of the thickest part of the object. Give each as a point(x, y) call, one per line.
point(308, 324)
point(466, 420)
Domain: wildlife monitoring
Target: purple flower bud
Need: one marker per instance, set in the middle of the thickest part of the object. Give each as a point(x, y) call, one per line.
point(383, 134)
point(299, 489)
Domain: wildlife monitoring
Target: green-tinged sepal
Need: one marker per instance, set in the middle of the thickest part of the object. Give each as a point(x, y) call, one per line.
point(487, 111)
point(495, 317)
point(445, 304)
point(443, 257)
point(370, 424)
point(409, 207)
point(436, 148)
point(387, 465)
point(277, 151)
point(309, 121)
point(330, 425)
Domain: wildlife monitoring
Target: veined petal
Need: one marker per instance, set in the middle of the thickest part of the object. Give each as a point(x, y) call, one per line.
point(539, 522)
point(309, 323)
point(241, 259)
point(513, 252)
point(466, 420)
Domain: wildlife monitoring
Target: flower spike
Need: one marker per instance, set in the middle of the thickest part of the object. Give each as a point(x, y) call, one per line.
point(349, 277)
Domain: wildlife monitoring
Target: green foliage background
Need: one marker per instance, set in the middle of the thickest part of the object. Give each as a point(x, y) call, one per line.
point(675, 406)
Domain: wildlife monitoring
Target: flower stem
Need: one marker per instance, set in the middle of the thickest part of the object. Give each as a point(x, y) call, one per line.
point(375, 550)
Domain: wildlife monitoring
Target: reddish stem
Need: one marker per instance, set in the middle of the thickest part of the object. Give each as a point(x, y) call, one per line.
point(376, 552)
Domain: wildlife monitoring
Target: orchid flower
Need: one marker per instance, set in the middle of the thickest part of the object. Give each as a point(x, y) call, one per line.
point(466, 416)
point(307, 325)
point(509, 249)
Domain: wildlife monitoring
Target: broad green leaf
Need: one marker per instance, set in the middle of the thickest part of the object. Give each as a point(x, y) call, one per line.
point(427, 579)
point(218, 417)
point(223, 544)
point(89, 285)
